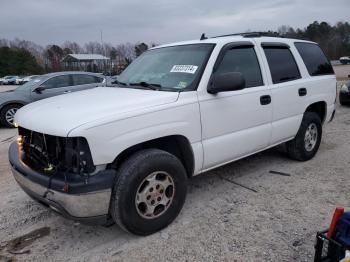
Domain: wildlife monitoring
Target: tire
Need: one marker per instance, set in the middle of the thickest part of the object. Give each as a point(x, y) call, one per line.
point(342, 102)
point(5, 113)
point(304, 148)
point(131, 212)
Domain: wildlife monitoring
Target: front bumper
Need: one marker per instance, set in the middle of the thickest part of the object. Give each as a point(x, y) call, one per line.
point(87, 201)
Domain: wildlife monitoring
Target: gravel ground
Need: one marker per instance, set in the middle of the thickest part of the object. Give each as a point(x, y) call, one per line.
point(342, 71)
point(274, 219)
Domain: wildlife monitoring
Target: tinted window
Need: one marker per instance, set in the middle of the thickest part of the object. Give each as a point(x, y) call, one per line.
point(282, 64)
point(315, 60)
point(242, 60)
point(86, 79)
point(58, 81)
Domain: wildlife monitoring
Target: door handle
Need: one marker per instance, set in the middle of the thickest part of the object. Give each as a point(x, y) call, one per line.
point(302, 91)
point(66, 92)
point(265, 100)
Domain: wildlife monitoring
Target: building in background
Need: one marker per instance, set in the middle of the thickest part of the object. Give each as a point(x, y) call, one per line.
point(86, 62)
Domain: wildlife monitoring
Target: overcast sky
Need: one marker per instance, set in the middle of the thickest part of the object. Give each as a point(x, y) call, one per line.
point(160, 21)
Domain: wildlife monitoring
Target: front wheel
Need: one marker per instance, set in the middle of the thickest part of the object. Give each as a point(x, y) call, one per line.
point(7, 114)
point(307, 141)
point(149, 192)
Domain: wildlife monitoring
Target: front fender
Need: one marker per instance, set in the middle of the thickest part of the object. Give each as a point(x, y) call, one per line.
point(109, 140)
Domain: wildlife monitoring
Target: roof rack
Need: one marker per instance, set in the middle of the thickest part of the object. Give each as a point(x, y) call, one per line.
point(246, 34)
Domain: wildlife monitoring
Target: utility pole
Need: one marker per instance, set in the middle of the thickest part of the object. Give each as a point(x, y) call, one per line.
point(105, 55)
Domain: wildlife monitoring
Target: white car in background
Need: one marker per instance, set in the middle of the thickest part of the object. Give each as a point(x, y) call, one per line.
point(25, 79)
point(345, 60)
point(9, 80)
point(19, 80)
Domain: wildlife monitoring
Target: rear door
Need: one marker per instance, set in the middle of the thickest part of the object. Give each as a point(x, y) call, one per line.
point(83, 81)
point(288, 90)
point(54, 86)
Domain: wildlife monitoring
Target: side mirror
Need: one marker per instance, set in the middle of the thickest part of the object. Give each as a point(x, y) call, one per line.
point(224, 82)
point(39, 89)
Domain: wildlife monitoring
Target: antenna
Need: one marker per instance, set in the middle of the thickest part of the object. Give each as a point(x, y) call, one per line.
point(203, 37)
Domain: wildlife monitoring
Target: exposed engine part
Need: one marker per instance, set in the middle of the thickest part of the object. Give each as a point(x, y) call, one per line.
point(51, 154)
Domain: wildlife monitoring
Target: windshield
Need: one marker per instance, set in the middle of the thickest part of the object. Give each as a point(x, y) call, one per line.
point(168, 68)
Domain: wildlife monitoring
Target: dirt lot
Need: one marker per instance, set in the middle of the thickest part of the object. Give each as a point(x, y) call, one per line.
point(275, 220)
point(342, 71)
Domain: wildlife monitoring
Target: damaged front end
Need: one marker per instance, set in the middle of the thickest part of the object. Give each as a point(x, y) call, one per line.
point(59, 172)
point(52, 154)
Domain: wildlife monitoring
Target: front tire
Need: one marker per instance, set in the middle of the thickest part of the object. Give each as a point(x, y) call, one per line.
point(149, 192)
point(307, 141)
point(7, 115)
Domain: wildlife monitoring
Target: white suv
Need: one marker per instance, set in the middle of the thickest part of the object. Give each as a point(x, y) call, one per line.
point(125, 153)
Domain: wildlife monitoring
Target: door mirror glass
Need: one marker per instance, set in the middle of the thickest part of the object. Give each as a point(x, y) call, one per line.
point(224, 82)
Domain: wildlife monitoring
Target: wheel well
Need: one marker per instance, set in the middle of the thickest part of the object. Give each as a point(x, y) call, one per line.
point(176, 144)
point(11, 103)
point(319, 108)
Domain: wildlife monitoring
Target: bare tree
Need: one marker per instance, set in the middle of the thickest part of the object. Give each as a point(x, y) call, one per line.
point(4, 42)
point(94, 47)
point(126, 52)
point(73, 46)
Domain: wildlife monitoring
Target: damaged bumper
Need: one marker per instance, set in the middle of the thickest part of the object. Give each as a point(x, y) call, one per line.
point(73, 196)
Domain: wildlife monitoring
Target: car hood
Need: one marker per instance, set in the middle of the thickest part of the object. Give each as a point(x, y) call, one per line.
point(59, 115)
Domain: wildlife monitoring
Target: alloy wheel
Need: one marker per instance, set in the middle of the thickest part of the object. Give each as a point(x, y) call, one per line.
point(155, 194)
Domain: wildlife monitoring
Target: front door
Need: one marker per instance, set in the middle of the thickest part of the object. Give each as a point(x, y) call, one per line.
point(236, 123)
point(54, 86)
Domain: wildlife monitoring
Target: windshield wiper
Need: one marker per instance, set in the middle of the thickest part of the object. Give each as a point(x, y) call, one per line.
point(146, 85)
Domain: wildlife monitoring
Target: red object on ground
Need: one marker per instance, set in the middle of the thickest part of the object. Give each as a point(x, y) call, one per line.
point(337, 214)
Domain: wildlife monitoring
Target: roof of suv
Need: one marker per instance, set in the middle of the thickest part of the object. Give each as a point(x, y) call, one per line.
point(233, 38)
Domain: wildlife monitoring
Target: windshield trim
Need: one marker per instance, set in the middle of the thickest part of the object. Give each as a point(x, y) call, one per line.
point(194, 85)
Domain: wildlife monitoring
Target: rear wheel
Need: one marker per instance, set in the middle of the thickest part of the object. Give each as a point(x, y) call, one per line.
point(149, 192)
point(7, 114)
point(342, 101)
point(307, 141)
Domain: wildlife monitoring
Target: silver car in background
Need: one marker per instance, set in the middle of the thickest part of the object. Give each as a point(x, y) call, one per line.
point(45, 86)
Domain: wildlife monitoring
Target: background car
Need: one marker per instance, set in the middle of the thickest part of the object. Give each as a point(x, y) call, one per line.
point(112, 80)
point(9, 80)
point(24, 79)
point(19, 80)
point(43, 87)
point(345, 60)
point(28, 78)
point(344, 94)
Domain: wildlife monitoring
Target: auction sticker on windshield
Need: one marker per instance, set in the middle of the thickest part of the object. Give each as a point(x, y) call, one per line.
point(190, 69)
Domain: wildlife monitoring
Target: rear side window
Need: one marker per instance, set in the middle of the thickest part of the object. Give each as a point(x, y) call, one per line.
point(315, 60)
point(243, 60)
point(282, 64)
point(86, 79)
